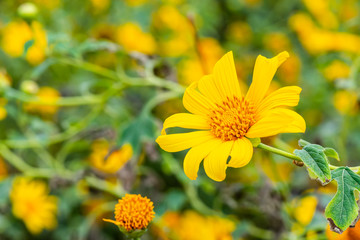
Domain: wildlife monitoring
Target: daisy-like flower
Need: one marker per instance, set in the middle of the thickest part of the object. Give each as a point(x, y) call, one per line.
point(226, 119)
point(133, 213)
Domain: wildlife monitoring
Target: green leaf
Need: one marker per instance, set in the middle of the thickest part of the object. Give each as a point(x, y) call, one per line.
point(303, 143)
point(315, 160)
point(330, 152)
point(137, 131)
point(343, 210)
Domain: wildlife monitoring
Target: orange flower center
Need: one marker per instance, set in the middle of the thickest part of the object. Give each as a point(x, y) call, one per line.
point(134, 212)
point(232, 119)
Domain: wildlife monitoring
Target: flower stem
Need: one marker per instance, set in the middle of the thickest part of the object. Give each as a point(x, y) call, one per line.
point(294, 157)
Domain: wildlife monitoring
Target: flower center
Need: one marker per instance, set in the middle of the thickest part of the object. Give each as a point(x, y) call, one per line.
point(232, 119)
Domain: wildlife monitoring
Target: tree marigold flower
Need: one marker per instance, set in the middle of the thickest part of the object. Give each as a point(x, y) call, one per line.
point(133, 212)
point(227, 119)
point(32, 204)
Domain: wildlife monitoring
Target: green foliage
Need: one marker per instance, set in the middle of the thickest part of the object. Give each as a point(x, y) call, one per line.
point(343, 210)
point(316, 161)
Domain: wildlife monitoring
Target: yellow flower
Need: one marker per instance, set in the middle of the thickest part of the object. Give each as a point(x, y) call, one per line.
point(346, 102)
point(320, 9)
point(276, 41)
point(228, 119)
point(239, 32)
point(305, 209)
point(17, 34)
point(132, 38)
point(349, 234)
point(109, 163)
point(47, 97)
point(133, 212)
point(337, 69)
point(32, 204)
point(100, 5)
point(135, 3)
point(190, 225)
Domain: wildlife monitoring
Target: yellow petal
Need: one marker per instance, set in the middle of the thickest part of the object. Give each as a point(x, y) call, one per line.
point(241, 153)
point(278, 120)
point(111, 221)
point(208, 87)
point(196, 154)
point(181, 141)
point(195, 102)
point(225, 77)
point(186, 120)
point(264, 72)
point(215, 163)
point(286, 96)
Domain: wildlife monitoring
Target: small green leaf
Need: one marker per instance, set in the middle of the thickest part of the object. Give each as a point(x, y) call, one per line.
point(343, 210)
point(315, 160)
point(303, 143)
point(330, 152)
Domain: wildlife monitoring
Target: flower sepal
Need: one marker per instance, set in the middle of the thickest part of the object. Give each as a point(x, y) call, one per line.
point(255, 141)
point(132, 234)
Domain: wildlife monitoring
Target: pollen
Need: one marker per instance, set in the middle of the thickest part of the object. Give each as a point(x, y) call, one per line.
point(133, 212)
point(232, 119)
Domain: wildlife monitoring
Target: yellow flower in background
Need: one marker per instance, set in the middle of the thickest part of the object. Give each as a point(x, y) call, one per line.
point(47, 97)
point(227, 119)
point(106, 161)
point(5, 81)
point(32, 203)
point(133, 212)
point(320, 9)
point(16, 34)
point(290, 70)
point(132, 38)
point(179, 34)
point(318, 41)
point(346, 101)
point(135, 3)
point(100, 5)
point(190, 225)
point(239, 32)
point(279, 172)
point(348, 9)
point(305, 209)
point(337, 69)
point(276, 41)
point(193, 68)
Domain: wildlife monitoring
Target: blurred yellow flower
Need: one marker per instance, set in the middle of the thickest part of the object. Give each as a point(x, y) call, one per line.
point(346, 101)
point(280, 172)
point(100, 5)
point(133, 212)
point(318, 41)
point(193, 68)
point(16, 34)
point(305, 209)
point(47, 97)
point(132, 38)
point(135, 3)
point(320, 9)
point(109, 162)
point(276, 41)
point(239, 32)
point(349, 234)
point(179, 32)
point(230, 119)
point(190, 225)
point(32, 204)
point(290, 70)
point(337, 69)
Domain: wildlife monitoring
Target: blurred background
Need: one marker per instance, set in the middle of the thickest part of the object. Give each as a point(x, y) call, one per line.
point(85, 87)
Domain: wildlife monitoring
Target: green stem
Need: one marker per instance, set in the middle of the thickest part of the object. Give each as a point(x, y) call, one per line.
point(294, 157)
